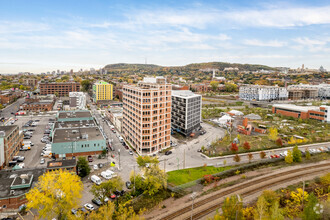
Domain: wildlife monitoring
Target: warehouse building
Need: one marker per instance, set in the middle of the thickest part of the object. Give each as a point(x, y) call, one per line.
point(68, 142)
point(186, 111)
point(321, 113)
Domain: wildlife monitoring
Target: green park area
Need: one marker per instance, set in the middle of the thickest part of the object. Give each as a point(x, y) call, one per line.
point(179, 177)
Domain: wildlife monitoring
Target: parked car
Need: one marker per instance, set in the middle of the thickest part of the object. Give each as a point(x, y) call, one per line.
point(90, 158)
point(168, 152)
point(20, 158)
point(95, 167)
point(42, 161)
point(128, 185)
point(130, 152)
point(97, 202)
point(89, 207)
point(203, 132)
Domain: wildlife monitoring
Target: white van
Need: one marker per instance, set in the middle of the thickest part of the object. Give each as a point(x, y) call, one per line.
point(46, 153)
point(121, 139)
point(28, 143)
point(107, 174)
point(95, 179)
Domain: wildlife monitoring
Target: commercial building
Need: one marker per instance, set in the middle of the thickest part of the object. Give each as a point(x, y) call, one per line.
point(68, 165)
point(10, 142)
point(262, 93)
point(147, 115)
point(77, 100)
point(68, 142)
point(9, 96)
point(79, 115)
point(102, 91)
point(61, 89)
point(14, 185)
point(38, 103)
point(186, 111)
point(115, 116)
point(321, 113)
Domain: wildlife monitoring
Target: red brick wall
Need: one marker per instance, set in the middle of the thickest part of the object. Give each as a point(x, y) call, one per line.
point(12, 203)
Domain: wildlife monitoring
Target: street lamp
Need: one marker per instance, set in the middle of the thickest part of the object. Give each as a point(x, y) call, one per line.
point(192, 196)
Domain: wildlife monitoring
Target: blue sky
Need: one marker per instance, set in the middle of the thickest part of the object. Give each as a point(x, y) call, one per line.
point(39, 36)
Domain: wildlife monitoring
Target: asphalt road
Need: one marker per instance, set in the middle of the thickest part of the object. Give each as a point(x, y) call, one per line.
point(14, 107)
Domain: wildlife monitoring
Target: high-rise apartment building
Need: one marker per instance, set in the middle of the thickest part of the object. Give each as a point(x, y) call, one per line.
point(102, 91)
point(262, 93)
point(147, 115)
point(61, 89)
point(186, 111)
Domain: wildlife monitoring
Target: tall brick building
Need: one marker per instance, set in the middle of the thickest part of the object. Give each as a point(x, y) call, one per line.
point(147, 115)
point(62, 89)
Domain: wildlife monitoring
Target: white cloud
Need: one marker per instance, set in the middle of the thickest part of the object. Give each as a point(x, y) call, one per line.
point(9, 27)
point(259, 43)
point(307, 41)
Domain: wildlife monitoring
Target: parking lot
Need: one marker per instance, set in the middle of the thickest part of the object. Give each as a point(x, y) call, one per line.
point(33, 157)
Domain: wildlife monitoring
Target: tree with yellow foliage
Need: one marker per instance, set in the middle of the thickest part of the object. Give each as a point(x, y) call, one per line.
point(55, 194)
point(273, 133)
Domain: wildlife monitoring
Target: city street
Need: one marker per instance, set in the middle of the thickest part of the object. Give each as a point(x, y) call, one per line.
point(14, 107)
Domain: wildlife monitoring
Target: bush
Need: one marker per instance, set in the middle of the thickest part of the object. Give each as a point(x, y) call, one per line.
point(246, 145)
point(308, 155)
point(262, 155)
point(296, 154)
point(237, 158)
point(234, 147)
point(289, 158)
point(279, 142)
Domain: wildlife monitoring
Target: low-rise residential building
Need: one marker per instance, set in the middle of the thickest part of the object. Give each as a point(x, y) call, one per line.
point(60, 89)
point(321, 113)
point(77, 100)
point(186, 111)
point(102, 91)
point(14, 185)
point(262, 93)
point(31, 82)
point(200, 88)
point(10, 142)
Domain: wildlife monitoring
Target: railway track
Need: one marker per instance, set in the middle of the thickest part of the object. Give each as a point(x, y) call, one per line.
point(178, 214)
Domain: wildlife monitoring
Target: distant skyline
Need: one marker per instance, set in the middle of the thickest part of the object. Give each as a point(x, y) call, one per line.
point(40, 36)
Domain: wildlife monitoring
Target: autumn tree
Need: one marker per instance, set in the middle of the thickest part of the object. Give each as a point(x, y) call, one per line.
point(55, 194)
point(308, 155)
point(246, 145)
point(288, 157)
point(232, 208)
point(309, 212)
point(273, 133)
point(155, 180)
point(106, 188)
point(142, 161)
point(296, 154)
point(214, 85)
point(261, 208)
point(83, 167)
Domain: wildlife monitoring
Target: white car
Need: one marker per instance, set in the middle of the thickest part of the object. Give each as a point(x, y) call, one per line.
point(95, 167)
point(21, 165)
point(42, 161)
point(89, 207)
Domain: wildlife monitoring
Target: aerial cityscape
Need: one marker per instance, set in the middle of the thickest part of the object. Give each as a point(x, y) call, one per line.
point(164, 110)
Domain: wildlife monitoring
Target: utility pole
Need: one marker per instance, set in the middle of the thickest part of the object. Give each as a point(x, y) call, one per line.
point(193, 196)
point(119, 157)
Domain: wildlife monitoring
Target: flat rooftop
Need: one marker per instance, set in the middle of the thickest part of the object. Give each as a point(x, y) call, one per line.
point(74, 124)
point(184, 93)
point(74, 114)
point(8, 129)
point(12, 179)
point(61, 163)
point(77, 134)
point(296, 107)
